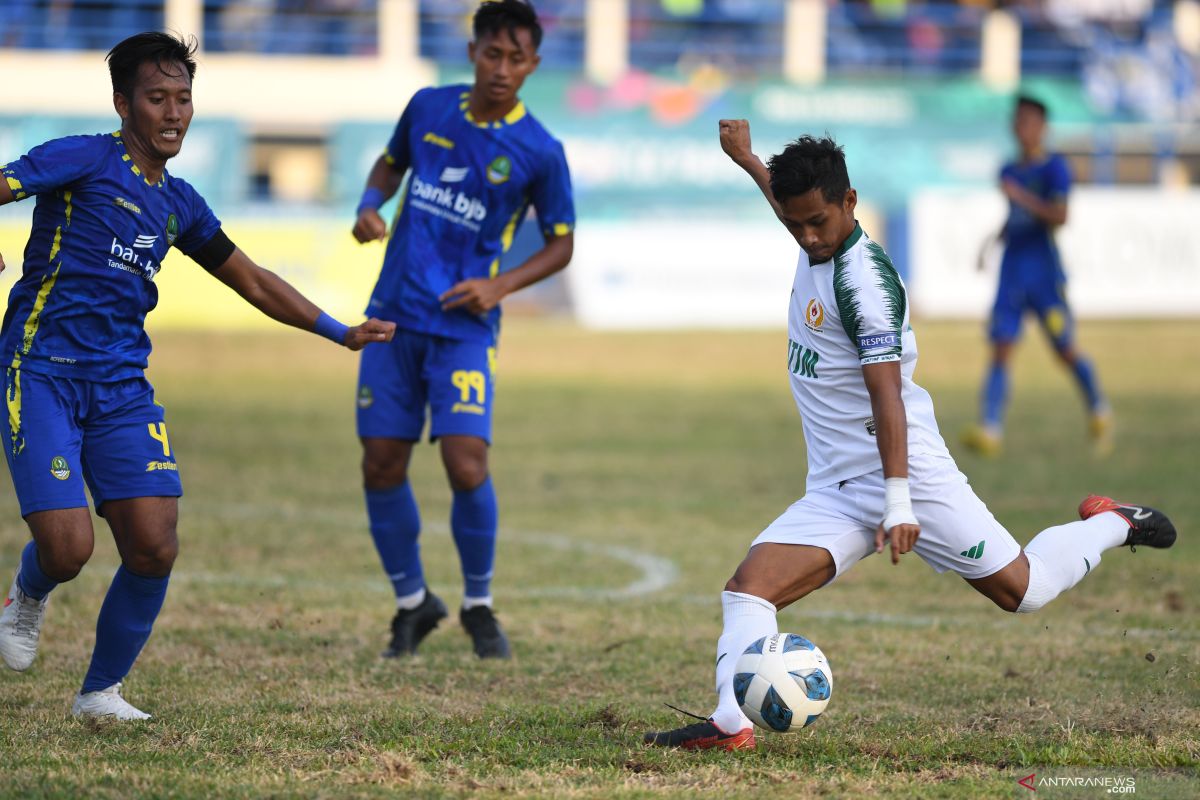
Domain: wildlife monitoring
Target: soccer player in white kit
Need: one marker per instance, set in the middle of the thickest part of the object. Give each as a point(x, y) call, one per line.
point(878, 471)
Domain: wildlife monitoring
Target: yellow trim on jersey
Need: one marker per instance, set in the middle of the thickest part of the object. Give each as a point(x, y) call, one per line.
point(15, 186)
point(506, 237)
point(39, 304)
point(12, 397)
point(559, 229)
point(516, 115)
point(440, 141)
point(389, 158)
point(136, 170)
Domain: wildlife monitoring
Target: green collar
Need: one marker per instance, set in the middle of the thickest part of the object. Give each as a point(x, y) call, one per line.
point(851, 240)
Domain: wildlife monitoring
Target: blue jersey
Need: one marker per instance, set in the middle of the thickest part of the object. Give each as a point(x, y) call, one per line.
point(1030, 253)
point(471, 183)
point(100, 233)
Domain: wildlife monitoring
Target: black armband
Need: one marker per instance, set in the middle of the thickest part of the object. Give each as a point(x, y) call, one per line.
point(213, 253)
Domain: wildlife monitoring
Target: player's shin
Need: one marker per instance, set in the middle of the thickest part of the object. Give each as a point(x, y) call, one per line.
point(1061, 556)
point(126, 619)
point(747, 619)
point(395, 527)
point(473, 520)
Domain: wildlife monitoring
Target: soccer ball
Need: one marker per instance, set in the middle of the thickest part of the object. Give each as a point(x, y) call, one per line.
point(782, 682)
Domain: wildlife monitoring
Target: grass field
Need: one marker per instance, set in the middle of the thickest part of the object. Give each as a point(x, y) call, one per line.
point(633, 470)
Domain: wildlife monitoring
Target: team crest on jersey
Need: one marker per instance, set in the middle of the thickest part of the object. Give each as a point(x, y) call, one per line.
point(59, 468)
point(814, 315)
point(500, 169)
point(172, 229)
point(366, 398)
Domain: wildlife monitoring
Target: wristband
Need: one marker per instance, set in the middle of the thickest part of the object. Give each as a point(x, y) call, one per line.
point(897, 504)
point(372, 198)
point(331, 329)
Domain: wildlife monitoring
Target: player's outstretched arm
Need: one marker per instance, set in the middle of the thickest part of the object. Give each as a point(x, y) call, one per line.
point(480, 295)
point(891, 436)
point(735, 141)
point(280, 301)
point(382, 183)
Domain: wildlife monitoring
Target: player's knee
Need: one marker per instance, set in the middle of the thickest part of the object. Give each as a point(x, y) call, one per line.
point(156, 559)
point(467, 473)
point(383, 473)
point(64, 562)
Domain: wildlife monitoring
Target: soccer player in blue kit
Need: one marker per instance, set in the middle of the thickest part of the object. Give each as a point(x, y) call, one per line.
point(1032, 278)
point(79, 409)
point(476, 160)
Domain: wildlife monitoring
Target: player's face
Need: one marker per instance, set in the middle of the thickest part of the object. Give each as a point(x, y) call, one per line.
point(502, 63)
point(818, 225)
point(1028, 126)
point(156, 118)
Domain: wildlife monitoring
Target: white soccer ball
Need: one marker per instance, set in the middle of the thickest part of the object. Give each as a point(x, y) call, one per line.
point(782, 682)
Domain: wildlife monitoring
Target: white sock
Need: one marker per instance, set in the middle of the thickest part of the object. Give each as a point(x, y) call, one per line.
point(410, 601)
point(1059, 557)
point(747, 619)
point(470, 602)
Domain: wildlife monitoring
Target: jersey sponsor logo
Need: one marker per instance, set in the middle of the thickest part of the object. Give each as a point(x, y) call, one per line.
point(802, 361)
point(162, 466)
point(440, 141)
point(143, 241)
point(814, 315)
point(873, 340)
point(447, 203)
point(499, 170)
point(59, 468)
point(454, 174)
point(131, 262)
point(125, 204)
point(172, 229)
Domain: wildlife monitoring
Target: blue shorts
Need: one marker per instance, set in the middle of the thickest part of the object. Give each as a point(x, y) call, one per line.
point(63, 433)
point(455, 379)
point(1045, 298)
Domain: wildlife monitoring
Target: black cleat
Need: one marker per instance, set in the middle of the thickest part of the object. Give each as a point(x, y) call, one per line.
point(410, 626)
point(1147, 526)
point(486, 635)
point(703, 735)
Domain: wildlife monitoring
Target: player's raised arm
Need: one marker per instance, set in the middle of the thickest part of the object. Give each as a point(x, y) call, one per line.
point(280, 301)
point(735, 141)
point(383, 181)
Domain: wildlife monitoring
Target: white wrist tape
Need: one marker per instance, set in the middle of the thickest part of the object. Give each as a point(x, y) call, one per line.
point(897, 504)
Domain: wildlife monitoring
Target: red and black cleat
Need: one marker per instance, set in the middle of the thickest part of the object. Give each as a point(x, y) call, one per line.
point(1147, 526)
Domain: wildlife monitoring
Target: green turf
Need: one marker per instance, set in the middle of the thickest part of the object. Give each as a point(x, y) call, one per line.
point(623, 462)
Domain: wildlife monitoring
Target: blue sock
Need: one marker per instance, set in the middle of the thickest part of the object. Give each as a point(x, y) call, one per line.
point(31, 579)
point(124, 625)
point(473, 519)
point(395, 525)
point(1086, 376)
point(995, 395)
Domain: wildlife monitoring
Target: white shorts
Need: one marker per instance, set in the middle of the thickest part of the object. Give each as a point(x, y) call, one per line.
point(958, 533)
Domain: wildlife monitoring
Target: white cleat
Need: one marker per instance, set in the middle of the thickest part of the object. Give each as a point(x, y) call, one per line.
point(20, 627)
point(106, 703)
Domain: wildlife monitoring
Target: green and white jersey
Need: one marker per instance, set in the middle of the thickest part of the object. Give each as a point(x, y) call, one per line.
point(845, 313)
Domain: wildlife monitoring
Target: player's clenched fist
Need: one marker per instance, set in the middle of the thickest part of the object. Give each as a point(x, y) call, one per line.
point(735, 139)
point(369, 226)
point(373, 330)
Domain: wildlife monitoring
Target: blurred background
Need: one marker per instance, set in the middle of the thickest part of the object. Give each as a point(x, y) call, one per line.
point(296, 98)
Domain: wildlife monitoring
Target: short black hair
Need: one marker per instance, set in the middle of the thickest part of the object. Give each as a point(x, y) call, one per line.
point(151, 47)
point(494, 16)
point(1029, 101)
point(810, 163)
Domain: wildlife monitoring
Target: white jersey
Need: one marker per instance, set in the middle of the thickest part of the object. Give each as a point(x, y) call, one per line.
point(844, 313)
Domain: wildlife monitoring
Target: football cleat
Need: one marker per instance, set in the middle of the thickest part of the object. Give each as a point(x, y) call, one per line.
point(982, 440)
point(106, 703)
point(410, 626)
point(1147, 526)
point(20, 627)
point(486, 634)
point(702, 736)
